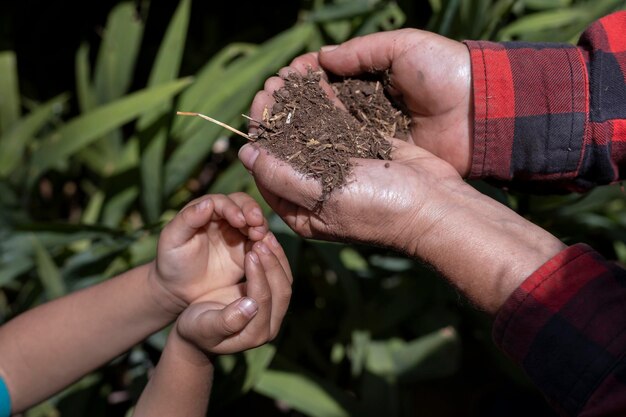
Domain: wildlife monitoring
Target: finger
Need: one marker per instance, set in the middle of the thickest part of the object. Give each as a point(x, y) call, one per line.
point(280, 178)
point(207, 325)
point(301, 66)
point(224, 295)
point(306, 62)
point(370, 53)
point(279, 284)
point(296, 217)
point(260, 109)
point(403, 151)
point(227, 209)
point(257, 286)
point(257, 226)
point(278, 251)
point(186, 223)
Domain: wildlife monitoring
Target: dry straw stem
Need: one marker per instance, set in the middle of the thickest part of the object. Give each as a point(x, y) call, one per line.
point(217, 122)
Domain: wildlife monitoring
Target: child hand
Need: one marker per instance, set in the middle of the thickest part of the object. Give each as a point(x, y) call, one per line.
point(203, 247)
point(245, 315)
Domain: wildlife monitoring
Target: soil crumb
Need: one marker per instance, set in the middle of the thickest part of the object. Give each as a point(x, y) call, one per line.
point(307, 130)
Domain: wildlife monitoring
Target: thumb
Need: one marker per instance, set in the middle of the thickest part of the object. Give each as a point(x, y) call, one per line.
point(368, 53)
point(187, 222)
point(207, 326)
point(279, 178)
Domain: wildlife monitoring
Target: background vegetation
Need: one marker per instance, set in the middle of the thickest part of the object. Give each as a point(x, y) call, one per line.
point(92, 163)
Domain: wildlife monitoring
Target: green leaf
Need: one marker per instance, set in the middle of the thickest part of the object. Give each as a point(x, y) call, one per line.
point(86, 95)
point(343, 10)
point(352, 259)
point(14, 142)
point(257, 361)
point(10, 96)
point(227, 98)
point(14, 267)
point(546, 4)
point(152, 175)
point(541, 21)
point(84, 130)
point(234, 178)
point(389, 18)
point(97, 253)
point(47, 271)
point(167, 63)
point(435, 6)
point(117, 207)
point(497, 14)
point(166, 68)
point(395, 358)
point(391, 263)
point(118, 53)
point(204, 82)
point(301, 393)
point(94, 208)
point(358, 351)
point(352, 299)
point(45, 409)
point(448, 17)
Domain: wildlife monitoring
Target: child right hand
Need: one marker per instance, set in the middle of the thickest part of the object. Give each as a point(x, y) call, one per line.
point(246, 315)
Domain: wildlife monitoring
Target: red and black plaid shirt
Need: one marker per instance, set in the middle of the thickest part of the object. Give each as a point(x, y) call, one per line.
point(554, 116)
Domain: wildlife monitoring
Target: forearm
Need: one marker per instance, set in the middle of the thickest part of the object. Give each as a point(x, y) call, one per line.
point(181, 383)
point(485, 249)
point(47, 348)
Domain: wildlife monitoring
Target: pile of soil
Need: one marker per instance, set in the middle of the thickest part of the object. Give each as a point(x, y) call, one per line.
point(308, 131)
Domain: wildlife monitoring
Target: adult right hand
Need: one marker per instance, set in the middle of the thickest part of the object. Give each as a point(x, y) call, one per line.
point(417, 204)
point(376, 206)
point(428, 73)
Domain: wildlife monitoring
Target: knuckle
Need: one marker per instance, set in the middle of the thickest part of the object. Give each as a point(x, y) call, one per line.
point(229, 323)
point(285, 293)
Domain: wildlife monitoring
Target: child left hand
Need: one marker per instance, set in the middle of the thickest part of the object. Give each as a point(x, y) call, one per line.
point(203, 248)
point(243, 316)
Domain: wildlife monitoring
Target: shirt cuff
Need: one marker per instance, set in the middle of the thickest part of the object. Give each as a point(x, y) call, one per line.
point(566, 326)
point(530, 107)
point(5, 400)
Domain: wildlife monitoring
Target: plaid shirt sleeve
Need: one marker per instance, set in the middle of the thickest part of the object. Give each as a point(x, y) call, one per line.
point(566, 326)
point(552, 115)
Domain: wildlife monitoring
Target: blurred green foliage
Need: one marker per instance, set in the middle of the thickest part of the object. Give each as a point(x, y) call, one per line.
point(88, 177)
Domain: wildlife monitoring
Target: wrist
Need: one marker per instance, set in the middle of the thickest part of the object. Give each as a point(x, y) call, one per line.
point(187, 350)
point(161, 295)
point(482, 247)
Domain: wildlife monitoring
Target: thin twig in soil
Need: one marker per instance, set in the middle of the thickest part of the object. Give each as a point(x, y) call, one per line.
point(260, 123)
point(217, 122)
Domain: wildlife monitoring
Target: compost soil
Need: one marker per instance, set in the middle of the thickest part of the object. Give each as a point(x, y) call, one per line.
point(317, 138)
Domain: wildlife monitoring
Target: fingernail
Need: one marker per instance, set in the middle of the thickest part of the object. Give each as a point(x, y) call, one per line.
point(248, 307)
point(263, 247)
point(329, 48)
point(203, 204)
point(254, 257)
point(241, 217)
point(248, 154)
point(256, 212)
point(272, 240)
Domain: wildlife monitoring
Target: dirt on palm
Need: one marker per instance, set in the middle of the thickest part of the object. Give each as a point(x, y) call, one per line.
point(317, 138)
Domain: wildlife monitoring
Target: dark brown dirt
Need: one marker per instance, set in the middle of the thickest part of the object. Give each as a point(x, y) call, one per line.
point(307, 130)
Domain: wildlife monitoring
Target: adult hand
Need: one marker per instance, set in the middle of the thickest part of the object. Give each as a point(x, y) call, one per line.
point(386, 203)
point(203, 248)
point(416, 204)
point(428, 73)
